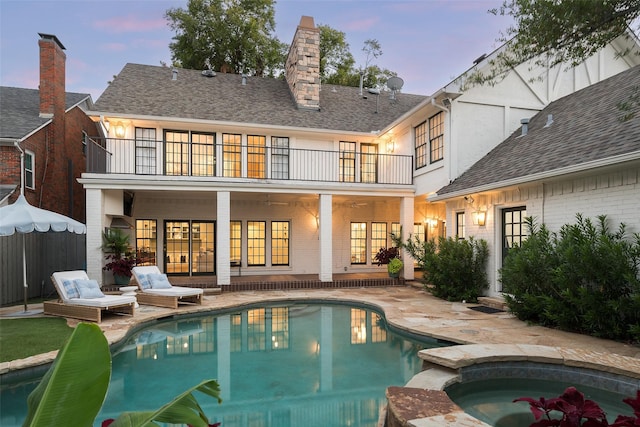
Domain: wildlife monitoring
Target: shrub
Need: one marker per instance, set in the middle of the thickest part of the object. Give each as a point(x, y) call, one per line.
point(453, 269)
point(573, 408)
point(585, 278)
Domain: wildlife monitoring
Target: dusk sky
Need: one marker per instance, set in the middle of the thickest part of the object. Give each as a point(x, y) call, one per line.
point(427, 42)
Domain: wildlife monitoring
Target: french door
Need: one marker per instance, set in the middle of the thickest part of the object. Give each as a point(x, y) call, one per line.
point(189, 247)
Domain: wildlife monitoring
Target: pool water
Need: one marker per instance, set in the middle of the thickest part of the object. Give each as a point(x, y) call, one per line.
point(277, 365)
point(491, 400)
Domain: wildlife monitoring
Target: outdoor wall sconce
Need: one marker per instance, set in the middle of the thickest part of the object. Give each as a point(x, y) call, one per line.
point(391, 146)
point(119, 130)
point(479, 217)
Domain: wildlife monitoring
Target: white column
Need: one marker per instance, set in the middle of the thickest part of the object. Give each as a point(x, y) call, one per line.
point(95, 226)
point(223, 233)
point(325, 212)
point(406, 222)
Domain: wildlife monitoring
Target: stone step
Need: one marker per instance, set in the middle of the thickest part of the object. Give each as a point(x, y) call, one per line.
point(497, 302)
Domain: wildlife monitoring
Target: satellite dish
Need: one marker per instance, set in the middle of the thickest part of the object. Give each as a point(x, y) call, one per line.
point(395, 83)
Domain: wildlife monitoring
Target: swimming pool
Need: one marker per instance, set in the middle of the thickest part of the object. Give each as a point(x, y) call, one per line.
point(278, 365)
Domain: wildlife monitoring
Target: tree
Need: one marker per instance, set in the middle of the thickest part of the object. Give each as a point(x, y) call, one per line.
point(336, 61)
point(337, 64)
point(227, 35)
point(552, 32)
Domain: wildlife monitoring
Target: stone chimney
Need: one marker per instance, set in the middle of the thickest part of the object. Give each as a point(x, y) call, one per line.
point(303, 65)
point(52, 76)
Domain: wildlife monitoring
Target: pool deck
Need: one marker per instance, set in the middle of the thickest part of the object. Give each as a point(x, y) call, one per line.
point(408, 308)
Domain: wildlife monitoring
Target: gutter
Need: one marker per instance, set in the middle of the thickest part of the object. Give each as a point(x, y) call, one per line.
point(541, 176)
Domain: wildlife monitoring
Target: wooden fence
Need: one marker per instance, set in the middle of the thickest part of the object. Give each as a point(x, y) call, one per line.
point(45, 254)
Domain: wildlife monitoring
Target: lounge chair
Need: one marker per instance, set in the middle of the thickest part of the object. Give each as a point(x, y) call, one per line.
point(155, 289)
point(81, 298)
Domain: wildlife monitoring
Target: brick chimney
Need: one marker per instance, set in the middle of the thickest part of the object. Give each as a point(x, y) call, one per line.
point(303, 65)
point(52, 76)
point(52, 106)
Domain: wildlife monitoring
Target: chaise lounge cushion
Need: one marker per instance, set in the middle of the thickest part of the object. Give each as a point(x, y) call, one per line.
point(88, 289)
point(143, 274)
point(159, 281)
point(70, 289)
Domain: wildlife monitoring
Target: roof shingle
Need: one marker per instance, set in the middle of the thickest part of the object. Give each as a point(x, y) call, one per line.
point(144, 90)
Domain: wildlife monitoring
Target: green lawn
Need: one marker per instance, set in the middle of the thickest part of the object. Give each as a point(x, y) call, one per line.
point(20, 338)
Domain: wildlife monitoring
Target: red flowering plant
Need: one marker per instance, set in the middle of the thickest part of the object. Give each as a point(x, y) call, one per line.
point(119, 254)
point(575, 408)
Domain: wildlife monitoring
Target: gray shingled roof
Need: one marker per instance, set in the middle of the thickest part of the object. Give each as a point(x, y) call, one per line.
point(144, 90)
point(586, 127)
point(21, 110)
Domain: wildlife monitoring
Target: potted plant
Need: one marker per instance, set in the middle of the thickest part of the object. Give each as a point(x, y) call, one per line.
point(120, 256)
point(390, 257)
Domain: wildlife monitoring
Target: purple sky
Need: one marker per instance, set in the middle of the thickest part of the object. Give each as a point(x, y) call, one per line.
point(427, 42)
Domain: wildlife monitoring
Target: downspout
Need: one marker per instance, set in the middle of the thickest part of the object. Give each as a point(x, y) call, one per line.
point(17, 145)
point(24, 252)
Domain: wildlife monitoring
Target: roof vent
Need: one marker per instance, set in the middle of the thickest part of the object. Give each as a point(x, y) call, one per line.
point(525, 126)
point(479, 59)
point(174, 73)
point(244, 79)
point(208, 73)
point(549, 120)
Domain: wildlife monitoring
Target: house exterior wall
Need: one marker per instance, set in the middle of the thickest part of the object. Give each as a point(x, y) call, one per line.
point(614, 192)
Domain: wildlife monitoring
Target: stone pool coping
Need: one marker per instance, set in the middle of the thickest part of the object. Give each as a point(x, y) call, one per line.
point(423, 402)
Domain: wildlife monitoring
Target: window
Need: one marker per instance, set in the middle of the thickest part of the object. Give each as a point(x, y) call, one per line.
point(145, 151)
point(280, 243)
point(202, 154)
point(176, 152)
point(347, 161)
point(202, 247)
point(395, 229)
point(358, 243)
point(256, 242)
point(188, 153)
point(460, 229)
point(85, 137)
point(436, 137)
point(146, 241)
point(378, 238)
point(514, 228)
point(279, 158)
point(369, 163)
point(235, 241)
point(29, 168)
point(420, 136)
point(419, 231)
point(231, 155)
point(256, 153)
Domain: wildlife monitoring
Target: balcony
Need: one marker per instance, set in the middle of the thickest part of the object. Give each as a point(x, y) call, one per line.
point(235, 161)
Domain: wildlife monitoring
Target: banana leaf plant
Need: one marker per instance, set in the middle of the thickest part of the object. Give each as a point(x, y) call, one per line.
point(74, 388)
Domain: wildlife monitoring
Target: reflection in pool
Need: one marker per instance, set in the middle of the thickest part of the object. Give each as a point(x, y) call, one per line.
point(277, 365)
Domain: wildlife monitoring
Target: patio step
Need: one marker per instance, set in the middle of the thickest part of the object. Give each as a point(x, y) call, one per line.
point(497, 302)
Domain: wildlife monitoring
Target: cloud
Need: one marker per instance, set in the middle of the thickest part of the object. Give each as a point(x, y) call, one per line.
point(130, 24)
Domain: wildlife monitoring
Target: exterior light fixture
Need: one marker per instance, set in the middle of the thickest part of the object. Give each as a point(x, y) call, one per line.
point(119, 130)
point(479, 217)
point(391, 146)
